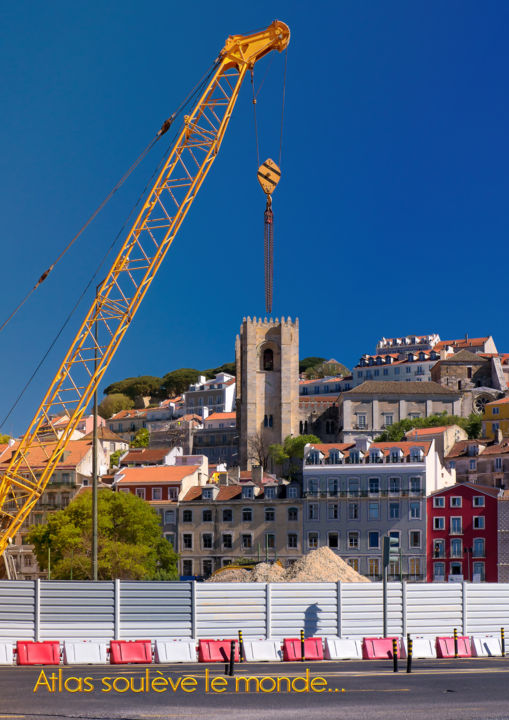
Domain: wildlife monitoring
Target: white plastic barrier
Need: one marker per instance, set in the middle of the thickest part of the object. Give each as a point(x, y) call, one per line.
point(6, 654)
point(175, 651)
point(422, 647)
point(486, 646)
point(85, 653)
point(262, 650)
point(342, 649)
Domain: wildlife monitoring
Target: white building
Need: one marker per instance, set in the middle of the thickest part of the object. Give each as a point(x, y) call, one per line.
point(409, 366)
point(211, 396)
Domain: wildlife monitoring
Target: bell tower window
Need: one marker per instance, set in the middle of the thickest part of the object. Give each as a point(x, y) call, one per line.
point(268, 359)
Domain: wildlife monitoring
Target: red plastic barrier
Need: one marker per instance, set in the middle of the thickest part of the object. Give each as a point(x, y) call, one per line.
point(313, 649)
point(217, 651)
point(38, 653)
point(130, 651)
point(379, 648)
point(445, 647)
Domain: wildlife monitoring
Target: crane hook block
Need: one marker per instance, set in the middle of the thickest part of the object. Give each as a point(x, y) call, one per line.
point(268, 176)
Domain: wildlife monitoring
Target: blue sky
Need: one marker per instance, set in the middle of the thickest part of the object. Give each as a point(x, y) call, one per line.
point(391, 216)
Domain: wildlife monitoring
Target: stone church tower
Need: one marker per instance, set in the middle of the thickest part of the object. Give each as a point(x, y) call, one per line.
point(267, 359)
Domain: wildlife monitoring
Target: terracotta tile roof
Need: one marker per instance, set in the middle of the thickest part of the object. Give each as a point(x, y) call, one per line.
point(126, 414)
point(416, 432)
point(502, 401)
point(229, 492)
point(394, 387)
point(325, 448)
point(104, 433)
point(190, 418)
point(461, 343)
point(463, 356)
point(498, 448)
point(405, 446)
point(338, 378)
point(157, 474)
point(193, 493)
point(486, 489)
point(222, 416)
point(37, 456)
point(146, 456)
point(317, 399)
point(461, 447)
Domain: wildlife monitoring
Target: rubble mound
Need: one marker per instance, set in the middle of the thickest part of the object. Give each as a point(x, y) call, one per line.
point(321, 565)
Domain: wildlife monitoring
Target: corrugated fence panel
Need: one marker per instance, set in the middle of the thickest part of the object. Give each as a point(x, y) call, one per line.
point(224, 608)
point(362, 609)
point(17, 610)
point(77, 610)
point(487, 608)
point(434, 609)
point(308, 606)
point(154, 610)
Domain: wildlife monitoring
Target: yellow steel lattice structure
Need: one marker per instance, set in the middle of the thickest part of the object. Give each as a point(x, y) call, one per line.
point(121, 292)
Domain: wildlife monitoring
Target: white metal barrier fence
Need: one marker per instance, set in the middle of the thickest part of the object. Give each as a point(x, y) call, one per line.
point(43, 610)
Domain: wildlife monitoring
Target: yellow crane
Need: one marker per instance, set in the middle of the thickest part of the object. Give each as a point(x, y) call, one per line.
point(119, 295)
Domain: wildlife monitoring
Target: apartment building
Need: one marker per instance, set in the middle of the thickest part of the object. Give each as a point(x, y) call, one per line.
point(219, 438)
point(126, 423)
point(481, 461)
point(408, 366)
point(463, 533)
point(211, 396)
point(495, 418)
point(219, 525)
point(355, 493)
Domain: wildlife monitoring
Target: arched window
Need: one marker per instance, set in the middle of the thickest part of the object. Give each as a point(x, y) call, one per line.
point(268, 359)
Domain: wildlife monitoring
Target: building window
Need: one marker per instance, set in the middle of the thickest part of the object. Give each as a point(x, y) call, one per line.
point(495, 411)
point(438, 523)
point(293, 540)
point(472, 464)
point(313, 511)
point(248, 492)
point(394, 486)
point(312, 540)
point(270, 493)
point(389, 419)
point(187, 516)
point(227, 540)
point(479, 548)
point(415, 538)
point(414, 510)
point(206, 541)
point(333, 486)
point(498, 463)
point(456, 526)
point(333, 540)
point(270, 541)
point(415, 485)
point(361, 421)
point(394, 511)
point(247, 515)
point(353, 511)
point(415, 567)
point(270, 514)
point(268, 359)
point(354, 563)
point(439, 571)
point(293, 514)
point(373, 511)
point(140, 492)
point(478, 572)
point(207, 516)
point(452, 465)
point(438, 548)
point(187, 541)
point(187, 568)
point(353, 487)
point(227, 515)
point(373, 539)
point(169, 517)
point(207, 568)
point(353, 540)
point(333, 511)
point(373, 567)
point(157, 493)
point(438, 502)
point(479, 501)
point(478, 522)
point(455, 502)
point(246, 542)
point(374, 486)
point(456, 548)
point(456, 568)
point(291, 492)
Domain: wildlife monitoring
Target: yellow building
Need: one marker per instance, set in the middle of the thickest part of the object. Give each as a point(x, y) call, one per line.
point(496, 417)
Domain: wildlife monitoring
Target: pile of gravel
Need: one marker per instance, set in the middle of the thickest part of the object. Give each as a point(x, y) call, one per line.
point(321, 565)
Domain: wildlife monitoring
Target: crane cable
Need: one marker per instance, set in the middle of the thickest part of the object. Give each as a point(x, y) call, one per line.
point(268, 235)
point(164, 129)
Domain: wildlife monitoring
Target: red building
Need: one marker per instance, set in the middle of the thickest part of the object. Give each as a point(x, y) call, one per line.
point(462, 533)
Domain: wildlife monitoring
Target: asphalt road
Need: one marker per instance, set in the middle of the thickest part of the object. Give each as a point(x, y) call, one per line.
point(441, 690)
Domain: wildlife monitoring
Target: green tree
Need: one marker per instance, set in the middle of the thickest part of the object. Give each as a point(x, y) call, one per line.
point(396, 432)
point(113, 404)
point(133, 387)
point(115, 457)
point(130, 544)
point(4, 439)
point(310, 362)
point(229, 368)
point(178, 381)
point(291, 452)
point(141, 438)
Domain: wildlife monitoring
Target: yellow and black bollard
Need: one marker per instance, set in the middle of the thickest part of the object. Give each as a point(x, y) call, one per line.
point(231, 669)
point(455, 642)
point(241, 648)
point(409, 654)
point(395, 654)
point(302, 652)
point(502, 641)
